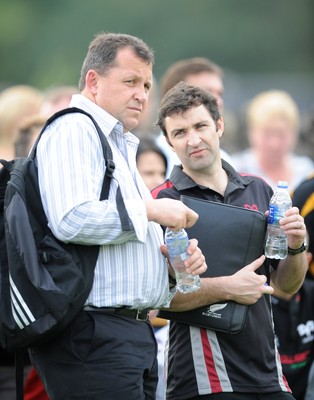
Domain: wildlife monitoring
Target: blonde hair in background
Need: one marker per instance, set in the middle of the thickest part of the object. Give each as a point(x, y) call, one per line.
point(17, 103)
point(272, 104)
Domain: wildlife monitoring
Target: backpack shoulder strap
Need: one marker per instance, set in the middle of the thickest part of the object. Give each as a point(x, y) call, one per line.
point(8, 165)
point(110, 165)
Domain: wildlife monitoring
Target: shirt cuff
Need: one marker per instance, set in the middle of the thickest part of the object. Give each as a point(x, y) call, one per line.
point(171, 294)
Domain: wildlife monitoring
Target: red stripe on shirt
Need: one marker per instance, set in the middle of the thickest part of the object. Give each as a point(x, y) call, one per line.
point(166, 185)
point(209, 361)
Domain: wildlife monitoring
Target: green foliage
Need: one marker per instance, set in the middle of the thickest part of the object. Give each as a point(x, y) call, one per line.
point(43, 42)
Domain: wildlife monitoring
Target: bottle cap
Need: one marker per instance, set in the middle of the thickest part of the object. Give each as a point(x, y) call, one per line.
point(282, 184)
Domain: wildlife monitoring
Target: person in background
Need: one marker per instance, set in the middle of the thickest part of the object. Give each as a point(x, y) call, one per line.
point(151, 163)
point(56, 99)
point(306, 142)
point(273, 125)
point(294, 314)
point(162, 336)
point(203, 363)
point(294, 329)
point(27, 134)
point(303, 198)
point(16, 103)
point(196, 71)
point(109, 350)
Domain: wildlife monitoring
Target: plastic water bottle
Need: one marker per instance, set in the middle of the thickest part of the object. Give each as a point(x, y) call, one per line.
point(177, 243)
point(276, 240)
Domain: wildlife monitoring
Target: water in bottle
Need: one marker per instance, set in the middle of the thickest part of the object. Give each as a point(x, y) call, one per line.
point(276, 241)
point(177, 243)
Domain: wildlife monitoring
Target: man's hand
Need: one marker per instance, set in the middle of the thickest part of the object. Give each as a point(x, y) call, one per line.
point(171, 213)
point(294, 227)
point(195, 264)
point(290, 272)
point(246, 286)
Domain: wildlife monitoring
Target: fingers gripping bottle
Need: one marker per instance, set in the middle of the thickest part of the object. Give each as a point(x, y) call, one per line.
point(276, 241)
point(177, 243)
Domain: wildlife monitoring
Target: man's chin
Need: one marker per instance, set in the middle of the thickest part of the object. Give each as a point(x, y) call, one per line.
point(129, 126)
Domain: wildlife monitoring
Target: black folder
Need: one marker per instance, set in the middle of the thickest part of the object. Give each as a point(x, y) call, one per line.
point(230, 237)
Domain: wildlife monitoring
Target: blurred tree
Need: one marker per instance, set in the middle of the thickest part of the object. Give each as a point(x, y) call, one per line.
point(43, 43)
point(261, 45)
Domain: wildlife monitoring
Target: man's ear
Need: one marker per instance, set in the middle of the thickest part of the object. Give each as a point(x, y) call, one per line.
point(220, 127)
point(91, 81)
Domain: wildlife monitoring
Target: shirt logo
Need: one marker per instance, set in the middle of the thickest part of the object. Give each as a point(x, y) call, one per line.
point(251, 206)
point(306, 331)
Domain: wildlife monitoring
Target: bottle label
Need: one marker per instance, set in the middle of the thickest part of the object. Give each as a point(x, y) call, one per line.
point(274, 214)
point(177, 248)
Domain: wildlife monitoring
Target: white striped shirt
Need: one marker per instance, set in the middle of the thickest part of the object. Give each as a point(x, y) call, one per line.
point(130, 270)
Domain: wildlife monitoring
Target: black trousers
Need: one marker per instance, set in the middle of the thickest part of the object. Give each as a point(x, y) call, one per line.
point(246, 396)
point(100, 356)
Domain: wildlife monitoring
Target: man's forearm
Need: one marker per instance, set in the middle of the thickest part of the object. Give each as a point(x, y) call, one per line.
point(212, 291)
point(290, 273)
point(244, 287)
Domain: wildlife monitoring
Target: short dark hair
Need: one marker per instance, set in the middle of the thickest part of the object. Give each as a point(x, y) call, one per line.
point(181, 98)
point(180, 70)
point(102, 53)
point(148, 145)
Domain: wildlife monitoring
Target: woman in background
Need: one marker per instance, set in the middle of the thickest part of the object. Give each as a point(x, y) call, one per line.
point(273, 129)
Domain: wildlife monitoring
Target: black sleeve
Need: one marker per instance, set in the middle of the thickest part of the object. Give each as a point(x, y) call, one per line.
point(302, 195)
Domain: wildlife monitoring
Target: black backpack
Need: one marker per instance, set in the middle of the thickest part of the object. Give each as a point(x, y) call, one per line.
point(44, 282)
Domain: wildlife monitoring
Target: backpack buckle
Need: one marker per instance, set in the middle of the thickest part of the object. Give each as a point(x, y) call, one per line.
point(110, 167)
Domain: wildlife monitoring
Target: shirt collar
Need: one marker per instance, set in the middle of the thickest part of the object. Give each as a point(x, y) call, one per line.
point(105, 120)
point(182, 181)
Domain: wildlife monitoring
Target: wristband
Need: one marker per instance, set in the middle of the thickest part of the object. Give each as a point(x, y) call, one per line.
point(301, 249)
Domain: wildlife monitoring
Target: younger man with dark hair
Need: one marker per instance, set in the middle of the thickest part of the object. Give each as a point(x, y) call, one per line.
point(202, 363)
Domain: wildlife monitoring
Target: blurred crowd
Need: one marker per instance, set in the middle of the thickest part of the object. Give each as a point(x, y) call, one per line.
point(274, 152)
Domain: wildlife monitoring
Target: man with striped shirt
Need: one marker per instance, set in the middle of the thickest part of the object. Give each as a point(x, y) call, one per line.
point(109, 351)
point(202, 363)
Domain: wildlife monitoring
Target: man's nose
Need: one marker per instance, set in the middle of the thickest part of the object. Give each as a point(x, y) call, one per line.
point(141, 94)
point(193, 138)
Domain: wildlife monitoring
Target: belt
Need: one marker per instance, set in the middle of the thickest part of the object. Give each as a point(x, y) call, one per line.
point(139, 315)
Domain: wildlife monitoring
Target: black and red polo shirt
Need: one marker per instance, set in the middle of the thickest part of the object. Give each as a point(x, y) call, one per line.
point(202, 361)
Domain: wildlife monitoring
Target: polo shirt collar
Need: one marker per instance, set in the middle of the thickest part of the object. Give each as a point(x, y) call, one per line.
point(182, 181)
